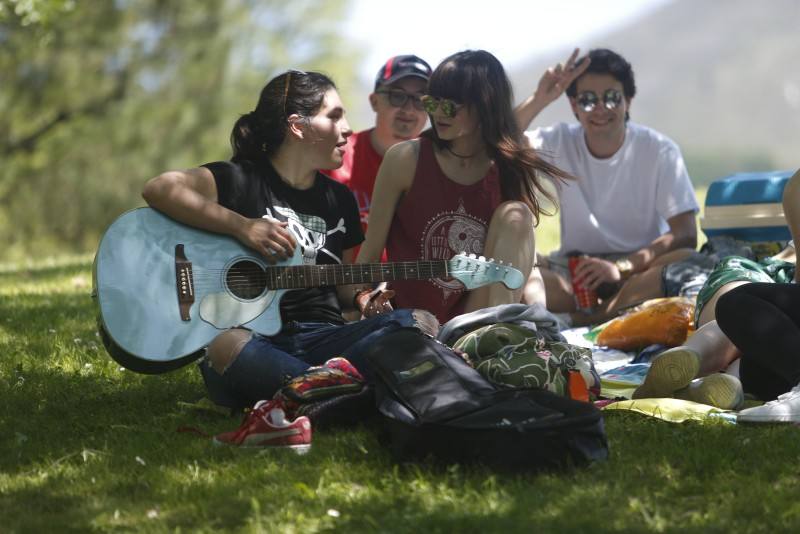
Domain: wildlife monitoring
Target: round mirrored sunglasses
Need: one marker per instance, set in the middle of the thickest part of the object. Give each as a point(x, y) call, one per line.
point(587, 100)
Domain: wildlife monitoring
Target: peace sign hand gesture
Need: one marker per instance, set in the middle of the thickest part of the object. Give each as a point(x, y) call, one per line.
point(556, 79)
point(552, 84)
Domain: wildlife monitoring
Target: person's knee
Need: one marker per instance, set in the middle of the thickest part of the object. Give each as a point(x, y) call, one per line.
point(729, 304)
point(224, 349)
point(514, 217)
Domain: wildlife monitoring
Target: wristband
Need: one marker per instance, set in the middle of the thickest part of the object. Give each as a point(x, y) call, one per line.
point(356, 295)
point(625, 267)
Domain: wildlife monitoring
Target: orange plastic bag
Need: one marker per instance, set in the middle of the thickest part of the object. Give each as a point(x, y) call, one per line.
point(666, 321)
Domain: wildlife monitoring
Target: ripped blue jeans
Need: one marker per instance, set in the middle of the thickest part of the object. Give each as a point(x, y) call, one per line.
point(266, 363)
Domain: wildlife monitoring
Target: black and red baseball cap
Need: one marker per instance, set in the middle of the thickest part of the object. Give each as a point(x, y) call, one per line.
point(398, 67)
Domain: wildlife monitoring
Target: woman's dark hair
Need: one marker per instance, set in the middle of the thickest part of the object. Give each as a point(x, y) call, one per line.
point(477, 79)
point(259, 133)
point(605, 61)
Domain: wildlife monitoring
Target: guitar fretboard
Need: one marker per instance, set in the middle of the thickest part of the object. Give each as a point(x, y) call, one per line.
point(299, 276)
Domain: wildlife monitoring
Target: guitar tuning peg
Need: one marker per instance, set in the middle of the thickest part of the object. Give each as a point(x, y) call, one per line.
point(491, 260)
point(481, 258)
point(472, 256)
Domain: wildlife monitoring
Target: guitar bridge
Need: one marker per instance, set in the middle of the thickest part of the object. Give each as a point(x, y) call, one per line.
point(184, 282)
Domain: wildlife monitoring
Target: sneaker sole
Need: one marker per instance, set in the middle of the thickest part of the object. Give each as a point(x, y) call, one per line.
point(718, 390)
point(770, 413)
point(297, 449)
point(672, 370)
point(776, 418)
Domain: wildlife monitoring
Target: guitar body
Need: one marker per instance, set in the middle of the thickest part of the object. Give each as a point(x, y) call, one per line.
point(137, 289)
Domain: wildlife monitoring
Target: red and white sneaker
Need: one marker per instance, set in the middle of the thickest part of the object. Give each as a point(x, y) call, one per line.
point(266, 426)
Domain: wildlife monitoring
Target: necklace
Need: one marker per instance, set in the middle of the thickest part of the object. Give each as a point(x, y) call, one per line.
point(456, 154)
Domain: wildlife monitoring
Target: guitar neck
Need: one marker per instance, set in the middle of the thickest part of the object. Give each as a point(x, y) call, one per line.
point(300, 276)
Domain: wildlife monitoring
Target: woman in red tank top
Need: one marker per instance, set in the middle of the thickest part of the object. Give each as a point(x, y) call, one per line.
point(469, 184)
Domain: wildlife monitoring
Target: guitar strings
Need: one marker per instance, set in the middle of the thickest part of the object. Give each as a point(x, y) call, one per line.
point(365, 270)
point(300, 276)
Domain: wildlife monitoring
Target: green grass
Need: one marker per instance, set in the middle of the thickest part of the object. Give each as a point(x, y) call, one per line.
point(86, 446)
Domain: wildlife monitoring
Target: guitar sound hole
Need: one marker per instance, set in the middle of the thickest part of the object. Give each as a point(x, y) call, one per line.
point(246, 280)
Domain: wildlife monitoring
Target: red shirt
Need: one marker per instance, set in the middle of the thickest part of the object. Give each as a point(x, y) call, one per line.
point(437, 219)
point(358, 172)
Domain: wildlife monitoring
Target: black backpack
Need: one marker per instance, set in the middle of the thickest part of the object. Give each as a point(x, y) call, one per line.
point(434, 404)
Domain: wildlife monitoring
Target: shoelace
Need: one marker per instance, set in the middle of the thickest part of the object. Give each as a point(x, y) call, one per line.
point(259, 411)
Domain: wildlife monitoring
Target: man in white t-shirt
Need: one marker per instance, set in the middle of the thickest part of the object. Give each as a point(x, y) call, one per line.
point(632, 207)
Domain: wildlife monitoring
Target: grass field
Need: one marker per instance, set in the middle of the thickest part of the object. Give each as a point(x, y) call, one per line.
point(86, 446)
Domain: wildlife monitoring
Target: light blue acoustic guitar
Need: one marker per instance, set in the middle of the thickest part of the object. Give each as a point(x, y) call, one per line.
point(164, 290)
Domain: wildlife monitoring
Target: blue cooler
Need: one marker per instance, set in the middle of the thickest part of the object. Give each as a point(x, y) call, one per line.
point(747, 206)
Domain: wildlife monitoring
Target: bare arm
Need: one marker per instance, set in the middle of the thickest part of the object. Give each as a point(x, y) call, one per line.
point(682, 234)
point(394, 179)
point(791, 209)
point(190, 197)
point(552, 85)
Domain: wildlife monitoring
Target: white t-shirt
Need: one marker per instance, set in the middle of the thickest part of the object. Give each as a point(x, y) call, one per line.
point(618, 204)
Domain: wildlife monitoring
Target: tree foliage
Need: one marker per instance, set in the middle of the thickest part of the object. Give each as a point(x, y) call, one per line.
point(99, 96)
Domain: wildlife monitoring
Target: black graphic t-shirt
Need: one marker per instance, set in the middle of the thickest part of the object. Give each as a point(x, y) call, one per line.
point(324, 221)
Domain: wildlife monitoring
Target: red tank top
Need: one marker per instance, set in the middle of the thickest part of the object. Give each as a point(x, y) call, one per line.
point(437, 219)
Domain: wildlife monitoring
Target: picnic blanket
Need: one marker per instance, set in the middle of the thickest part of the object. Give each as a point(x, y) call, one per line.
point(673, 410)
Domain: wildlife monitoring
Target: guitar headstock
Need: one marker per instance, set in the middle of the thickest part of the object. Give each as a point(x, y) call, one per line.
point(476, 271)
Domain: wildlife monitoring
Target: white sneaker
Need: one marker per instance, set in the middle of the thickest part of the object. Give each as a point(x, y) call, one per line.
point(786, 408)
point(670, 371)
point(717, 389)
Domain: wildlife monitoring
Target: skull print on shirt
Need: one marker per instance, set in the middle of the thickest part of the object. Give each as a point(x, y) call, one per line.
point(310, 232)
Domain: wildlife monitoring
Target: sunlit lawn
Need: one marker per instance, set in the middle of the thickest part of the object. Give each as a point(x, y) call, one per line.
point(87, 446)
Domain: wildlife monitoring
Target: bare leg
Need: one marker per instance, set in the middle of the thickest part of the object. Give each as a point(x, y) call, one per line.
point(224, 348)
point(716, 351)
point(706, 352)
point(535, 291)
point(557, 290)
point(511, 239)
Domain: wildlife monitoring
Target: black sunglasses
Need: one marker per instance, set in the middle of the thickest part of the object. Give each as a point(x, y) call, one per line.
point(587, 100)
point(398, 98)
point(449, 107)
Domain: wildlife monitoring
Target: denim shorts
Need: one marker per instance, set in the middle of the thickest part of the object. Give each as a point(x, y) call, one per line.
point(265, 364)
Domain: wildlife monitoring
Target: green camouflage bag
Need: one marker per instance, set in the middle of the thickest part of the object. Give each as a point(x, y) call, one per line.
point(510, 355)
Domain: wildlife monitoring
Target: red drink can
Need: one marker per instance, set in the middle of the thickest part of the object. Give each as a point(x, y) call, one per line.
point(585, 298)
